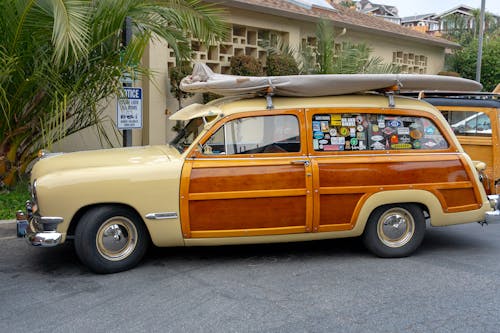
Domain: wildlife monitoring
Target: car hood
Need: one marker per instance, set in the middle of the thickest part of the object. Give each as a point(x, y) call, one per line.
point(105, 158)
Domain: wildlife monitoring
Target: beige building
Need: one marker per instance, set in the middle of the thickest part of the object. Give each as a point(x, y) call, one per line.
point(295, 22)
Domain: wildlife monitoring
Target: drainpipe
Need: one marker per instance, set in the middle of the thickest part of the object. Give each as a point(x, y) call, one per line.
point(480, 43)
point(127, 38)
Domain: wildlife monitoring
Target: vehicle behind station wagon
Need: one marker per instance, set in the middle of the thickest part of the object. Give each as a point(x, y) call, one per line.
point(262, 170)
point(474, 118)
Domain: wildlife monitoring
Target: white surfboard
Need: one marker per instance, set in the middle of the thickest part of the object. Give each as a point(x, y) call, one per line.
point(203, 79)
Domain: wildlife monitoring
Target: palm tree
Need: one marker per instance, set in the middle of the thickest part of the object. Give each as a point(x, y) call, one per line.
point(61, 59)
point(490, 22)
point(349, 58)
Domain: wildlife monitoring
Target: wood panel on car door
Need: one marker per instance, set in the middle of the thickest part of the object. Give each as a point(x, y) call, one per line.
point(262, 194)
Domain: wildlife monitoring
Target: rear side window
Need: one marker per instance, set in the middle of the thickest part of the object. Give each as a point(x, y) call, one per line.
point(340, 132)
point(468, 123)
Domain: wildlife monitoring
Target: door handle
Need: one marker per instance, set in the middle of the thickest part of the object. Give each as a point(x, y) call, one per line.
point(304, 162)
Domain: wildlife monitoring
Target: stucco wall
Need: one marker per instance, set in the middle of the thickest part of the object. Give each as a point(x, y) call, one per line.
point(158, 102)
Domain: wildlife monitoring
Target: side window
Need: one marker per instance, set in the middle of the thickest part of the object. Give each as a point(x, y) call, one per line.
point(256, 135)
point(468, 123)
point(340, 132)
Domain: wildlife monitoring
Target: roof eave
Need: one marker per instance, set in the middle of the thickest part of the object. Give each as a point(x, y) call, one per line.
point(341, 24)
point(266, 10)
point(402, 36)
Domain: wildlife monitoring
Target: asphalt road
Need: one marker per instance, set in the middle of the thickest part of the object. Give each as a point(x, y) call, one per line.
point(452, 284)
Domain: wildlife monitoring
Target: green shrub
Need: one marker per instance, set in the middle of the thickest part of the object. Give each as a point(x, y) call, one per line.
point(12, 200)
point(176, 74)
point(246, 66)
point(281, 64)
point(449, 73)
point(208, 97)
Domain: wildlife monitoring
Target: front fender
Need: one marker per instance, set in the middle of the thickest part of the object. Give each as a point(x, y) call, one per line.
point(148, 189)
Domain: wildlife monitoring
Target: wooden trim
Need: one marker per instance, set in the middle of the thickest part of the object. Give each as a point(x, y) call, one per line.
point(465, 108)
point(354, 218)
point(249, 162)
point(384, 157)
point(475, 140)
point(309, 178)
point(335, 227)
point(247, 194)
point(184, 199)
point(463, 208)
point(373, 189)
point(316, 195)
point(248, 232)
point(472, 177)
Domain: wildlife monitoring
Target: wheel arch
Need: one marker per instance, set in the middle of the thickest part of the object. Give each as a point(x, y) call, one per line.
point(423, 199)
point(83, 210)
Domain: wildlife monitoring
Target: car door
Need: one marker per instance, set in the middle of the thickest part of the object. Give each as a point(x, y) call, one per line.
point(250, 176)
point(355, 155)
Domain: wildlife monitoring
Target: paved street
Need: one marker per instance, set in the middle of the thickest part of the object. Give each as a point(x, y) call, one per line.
point(452, 284)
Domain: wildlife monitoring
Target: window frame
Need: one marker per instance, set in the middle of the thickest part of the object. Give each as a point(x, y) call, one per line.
point(298, 113)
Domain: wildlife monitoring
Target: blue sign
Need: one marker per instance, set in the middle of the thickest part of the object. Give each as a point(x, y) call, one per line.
point(129, 108)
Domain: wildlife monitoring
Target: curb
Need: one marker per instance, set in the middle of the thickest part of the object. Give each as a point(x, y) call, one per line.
point(7, 221)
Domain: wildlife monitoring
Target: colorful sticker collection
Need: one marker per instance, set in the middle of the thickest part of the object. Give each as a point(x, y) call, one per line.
point(338, 132)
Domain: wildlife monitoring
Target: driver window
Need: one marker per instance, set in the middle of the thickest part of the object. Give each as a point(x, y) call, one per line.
point(256, 135)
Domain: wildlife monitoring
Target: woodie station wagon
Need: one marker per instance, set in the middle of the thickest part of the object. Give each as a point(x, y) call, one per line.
point(261, 170)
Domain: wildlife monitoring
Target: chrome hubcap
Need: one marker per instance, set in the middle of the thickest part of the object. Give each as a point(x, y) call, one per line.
point(116, 238)
point(395, 227)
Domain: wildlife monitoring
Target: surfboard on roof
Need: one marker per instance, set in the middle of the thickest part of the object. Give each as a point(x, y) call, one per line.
point(203, 79)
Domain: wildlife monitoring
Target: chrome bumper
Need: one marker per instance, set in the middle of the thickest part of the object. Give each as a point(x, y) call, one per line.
point(38, 230)
point(494, 215)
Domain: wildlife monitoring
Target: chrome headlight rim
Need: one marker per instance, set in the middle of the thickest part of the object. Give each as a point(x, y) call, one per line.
point(34, 197)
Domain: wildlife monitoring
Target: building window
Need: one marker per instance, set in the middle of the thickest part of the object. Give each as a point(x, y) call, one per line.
point(410, 63)
point(242, 40)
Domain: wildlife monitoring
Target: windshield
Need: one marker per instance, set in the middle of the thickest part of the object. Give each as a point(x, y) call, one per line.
point(187, 134)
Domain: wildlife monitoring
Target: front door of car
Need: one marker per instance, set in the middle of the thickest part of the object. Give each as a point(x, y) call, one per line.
point(250, 176)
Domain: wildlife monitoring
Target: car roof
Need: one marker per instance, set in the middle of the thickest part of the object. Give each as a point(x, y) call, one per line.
point(232, 106)
point(228, 106)
point(453, 98)
point(475, 102)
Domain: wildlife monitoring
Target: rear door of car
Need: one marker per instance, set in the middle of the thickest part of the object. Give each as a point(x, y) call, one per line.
point(357, 153)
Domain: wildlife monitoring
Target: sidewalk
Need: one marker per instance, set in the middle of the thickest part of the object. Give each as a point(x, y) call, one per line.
point(7, 221)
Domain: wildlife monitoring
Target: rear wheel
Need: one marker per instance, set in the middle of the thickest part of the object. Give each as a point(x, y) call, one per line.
point(395, 230)
point(110, 239)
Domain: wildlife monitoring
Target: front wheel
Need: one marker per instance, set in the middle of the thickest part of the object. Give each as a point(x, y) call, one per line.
point(394, 231)
point(110, 239)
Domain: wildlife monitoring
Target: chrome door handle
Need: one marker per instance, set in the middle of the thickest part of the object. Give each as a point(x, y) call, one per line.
point(305, 162)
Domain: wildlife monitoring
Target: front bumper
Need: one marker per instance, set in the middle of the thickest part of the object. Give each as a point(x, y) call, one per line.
point(38, 230)
point(494, 215)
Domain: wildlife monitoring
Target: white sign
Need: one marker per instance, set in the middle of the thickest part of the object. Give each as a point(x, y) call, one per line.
point(129, 108)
